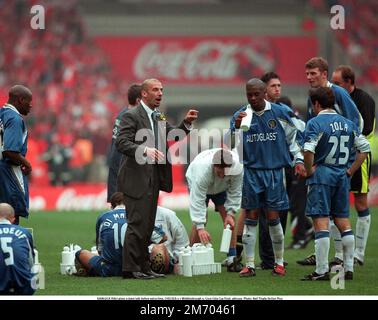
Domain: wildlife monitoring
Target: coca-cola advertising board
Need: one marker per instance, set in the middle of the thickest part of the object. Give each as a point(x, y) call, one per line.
point(196, 60)
point(92, 197)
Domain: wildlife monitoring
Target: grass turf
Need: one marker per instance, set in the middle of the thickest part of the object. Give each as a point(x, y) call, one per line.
point(52, 230)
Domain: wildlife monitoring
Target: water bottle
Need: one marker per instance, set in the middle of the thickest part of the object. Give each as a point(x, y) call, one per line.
point(210, 253)
point(36, 258)
point(226, 239)
point(246, 121)
point(187, 263)
point(41, 277)
point(67, 256)
point(94, 250)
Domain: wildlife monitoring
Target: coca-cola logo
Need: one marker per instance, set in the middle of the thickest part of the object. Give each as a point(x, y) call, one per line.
point(207, 59)
point(70, 200)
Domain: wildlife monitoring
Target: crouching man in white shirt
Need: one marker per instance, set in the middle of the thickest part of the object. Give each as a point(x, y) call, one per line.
point(215, 174)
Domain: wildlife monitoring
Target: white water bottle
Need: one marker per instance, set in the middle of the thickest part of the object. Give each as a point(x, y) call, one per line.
point(226, 239)
point(187, 263)
point(36, 258)
point(41, 277)
point(246, 121)
point(67, 256)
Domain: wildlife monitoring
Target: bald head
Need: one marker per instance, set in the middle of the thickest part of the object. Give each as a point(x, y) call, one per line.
point(255, 90)
point(148, 82)
point(152, 93)
point(20, 97)
point(19, 91)
point(256, 83)
point(6, 211)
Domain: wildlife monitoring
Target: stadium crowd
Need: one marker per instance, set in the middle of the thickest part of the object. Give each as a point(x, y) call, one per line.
point(359, 38)
point(73, 86)
point(81, 93)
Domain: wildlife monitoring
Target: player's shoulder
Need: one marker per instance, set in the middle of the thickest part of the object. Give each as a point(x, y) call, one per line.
point(337, 88)
point(279, 107)
point(8, 114)
point(315, 121)
point(340, 91)
point(281, 110)
point(104, 215)
point(122, 112)
point(362, 93)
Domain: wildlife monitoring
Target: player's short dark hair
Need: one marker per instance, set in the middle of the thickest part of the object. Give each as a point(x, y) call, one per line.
point(347, 73)
point(285, 100)
point(317, 62)
point(116, 199)
point(222, 158)
point(266, 77)
point(324, 96)
point(134, 92)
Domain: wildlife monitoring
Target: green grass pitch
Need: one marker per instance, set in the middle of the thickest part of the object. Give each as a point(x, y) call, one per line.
point(52, 230)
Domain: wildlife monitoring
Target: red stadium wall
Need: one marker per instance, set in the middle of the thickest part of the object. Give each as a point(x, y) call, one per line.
point(207, 60)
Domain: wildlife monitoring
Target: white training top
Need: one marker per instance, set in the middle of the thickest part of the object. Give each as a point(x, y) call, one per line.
point(203, 181)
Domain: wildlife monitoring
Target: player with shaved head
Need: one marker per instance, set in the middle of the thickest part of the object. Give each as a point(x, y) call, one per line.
point(14, 168)
point(267, 145)
point(16, 255)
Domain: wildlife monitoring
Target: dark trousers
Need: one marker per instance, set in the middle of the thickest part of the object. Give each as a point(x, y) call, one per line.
point(141, 215)
point(297, 196)
point(265, 243)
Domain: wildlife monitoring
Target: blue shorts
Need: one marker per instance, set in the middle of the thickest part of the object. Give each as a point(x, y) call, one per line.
point(218, 199)
point(324, 200)
point(11, 192)
point(264, 188)
point(103, 268)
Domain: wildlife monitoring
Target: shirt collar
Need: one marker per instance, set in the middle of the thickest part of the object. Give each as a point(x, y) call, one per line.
point(146, 108)
point(12, 107)
point(268, 106)
point(4, 221)
point(121, 206)
point(327, 111)
point(329, 84)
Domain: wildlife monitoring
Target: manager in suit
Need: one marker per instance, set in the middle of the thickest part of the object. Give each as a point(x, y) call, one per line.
point(145, 171)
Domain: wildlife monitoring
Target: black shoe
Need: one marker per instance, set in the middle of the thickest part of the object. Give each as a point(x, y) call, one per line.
point(348, 275)
point(265, 266)
point(235, 265)
point(316, 277)
point(137, 275)
point(358, 262)
point(335, 262)
point(309, 261)
point(155, 274)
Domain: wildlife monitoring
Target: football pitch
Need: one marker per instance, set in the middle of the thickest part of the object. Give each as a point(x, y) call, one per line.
point(53, 230)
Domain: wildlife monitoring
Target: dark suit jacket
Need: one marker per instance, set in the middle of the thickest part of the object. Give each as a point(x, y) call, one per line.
point(134, 178)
